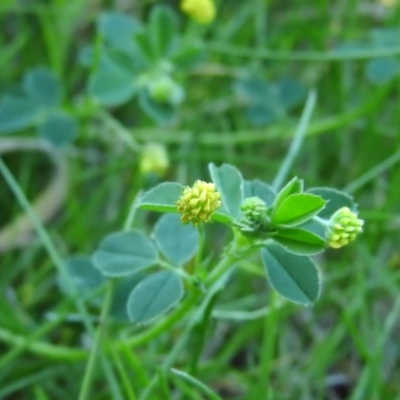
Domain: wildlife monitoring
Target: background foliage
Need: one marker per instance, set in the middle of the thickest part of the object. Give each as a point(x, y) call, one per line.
point(232, 91)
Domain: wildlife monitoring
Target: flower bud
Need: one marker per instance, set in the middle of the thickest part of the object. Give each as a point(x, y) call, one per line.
point(163, 89)
point(344, 226)
point(198, 203)
point(254, 219)
point(154, 159)
point(203, 11)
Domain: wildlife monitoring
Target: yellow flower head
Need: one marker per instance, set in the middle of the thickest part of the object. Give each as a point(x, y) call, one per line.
point(203, 11)
point(344, 227)
point(154, 159)
point(198, 203)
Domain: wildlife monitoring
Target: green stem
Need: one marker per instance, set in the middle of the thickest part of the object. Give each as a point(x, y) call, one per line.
point(124, 134)
point(91, 364)
point(319, 56)
point(297, 141)
point(262, 388)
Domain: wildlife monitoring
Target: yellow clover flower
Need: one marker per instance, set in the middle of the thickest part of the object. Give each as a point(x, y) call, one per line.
point(203, 11)
point(344, 226)
point(198, 203)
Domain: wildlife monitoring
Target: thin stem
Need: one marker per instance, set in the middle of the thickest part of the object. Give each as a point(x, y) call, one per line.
point(297, 142)
point(262, 389)
point(373, 173)
point(280, 55)
point(91, 364)
point(132, 212)
point(198, 384)
point(124, 134)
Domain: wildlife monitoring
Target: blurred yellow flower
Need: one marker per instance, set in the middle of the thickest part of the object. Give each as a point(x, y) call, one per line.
point(154, 159)
point(203, 11)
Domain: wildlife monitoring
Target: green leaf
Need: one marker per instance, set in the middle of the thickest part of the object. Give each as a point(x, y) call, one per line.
point(118, 30)
point(177, 242)
point(59, 129)
point(294, 277)
point(188, 55)
point(42, 86)
point(154, 296)
point(382, 70)
point(122, 290)
point(84, 276)
point(229, 183)
point(260, 189)
point(17, 113)
point(162, 113)
point(335, 199)
point(300, 241)
point(162, 198)
point(316, 227)
point(112, 87)
point(125, 253)
point(143, 44)
point(162, 29)
point(292, 187)
point(297, 208)
point(291, 92)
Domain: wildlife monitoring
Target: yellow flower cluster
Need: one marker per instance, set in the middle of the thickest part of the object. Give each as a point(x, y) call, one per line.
point(198, 203)
point(203, 11)
point(344, 227)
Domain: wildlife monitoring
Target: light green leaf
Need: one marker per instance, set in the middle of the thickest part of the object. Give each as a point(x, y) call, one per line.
point(260, 189)
point(59, 129)
point(42, 86)
point(294, 277)
point(125, 253)
point(154, 296)
point(300, 241)
point(229, 183)
point(162, 197)
point(112, 86)
point(177, 242)
point(292, 187)
point(316, 227)
point(297, 208)
point(17, 113)
point(162, 29)
point(335, 199)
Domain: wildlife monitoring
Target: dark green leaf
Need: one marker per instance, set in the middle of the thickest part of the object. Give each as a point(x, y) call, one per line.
point(42, 86)
point(112, 87)
point(259, 189)
point(17, 113)
point(382, 70)
point(125, 253)
point(294, 277)
point(162, 198)
point(335, 199)
point(162, 113)
point(59, 129)
point(162, 29)
point(176, 241)
point(229, 183)
point(84, 276)
point(300, 241)
point(154, 296)
point(118, 30)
